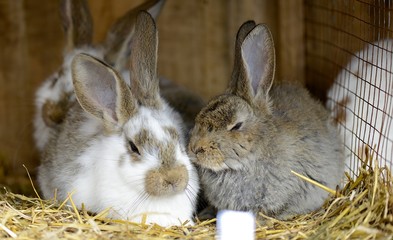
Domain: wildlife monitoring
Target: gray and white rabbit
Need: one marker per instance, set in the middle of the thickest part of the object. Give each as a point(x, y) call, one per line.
point(56, 94)
point(120, 145)
point(360, 101)
point(247, 140)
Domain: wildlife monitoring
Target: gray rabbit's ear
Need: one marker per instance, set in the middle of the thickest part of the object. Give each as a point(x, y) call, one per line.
point(101, 91)
point(244, 29)
point(143, 68)
point(117, 43)
point(77, 23)
point(256, 65)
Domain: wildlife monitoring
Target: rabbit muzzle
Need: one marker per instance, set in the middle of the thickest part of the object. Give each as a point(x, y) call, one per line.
point(208, 154)
point(166, 180)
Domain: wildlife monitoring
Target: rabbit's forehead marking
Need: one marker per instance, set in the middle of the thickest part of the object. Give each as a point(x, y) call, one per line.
point(144, 136)
point(147, 137)
point(167, 154)
point(164, 149)
point(149, 128)
point(154, 132)
point(220, 112)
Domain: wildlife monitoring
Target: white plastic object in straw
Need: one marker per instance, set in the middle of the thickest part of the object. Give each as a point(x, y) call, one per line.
point(235, 225)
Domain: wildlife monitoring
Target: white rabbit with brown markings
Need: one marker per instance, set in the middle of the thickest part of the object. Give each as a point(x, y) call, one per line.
point(56, 95)
point(120, 145)
point(247, 141)
point(360, 101)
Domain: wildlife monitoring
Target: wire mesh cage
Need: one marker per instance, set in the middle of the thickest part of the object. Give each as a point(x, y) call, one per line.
point(349, 65)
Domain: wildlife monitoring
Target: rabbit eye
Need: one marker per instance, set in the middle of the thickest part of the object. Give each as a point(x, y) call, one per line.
point(237, 126)
point(133, 147)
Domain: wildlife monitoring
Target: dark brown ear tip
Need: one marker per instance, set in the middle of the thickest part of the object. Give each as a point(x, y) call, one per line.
point(260, 29)
point(244, 29)
point(248, 23)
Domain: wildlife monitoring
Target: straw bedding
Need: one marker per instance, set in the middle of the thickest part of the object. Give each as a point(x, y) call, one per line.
point(363, 209)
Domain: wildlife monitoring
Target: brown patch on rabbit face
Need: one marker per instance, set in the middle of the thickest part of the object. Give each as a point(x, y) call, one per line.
point(145, 137)
point(167, 155)
point(166, 181)
point(223, 133)
point(145, 140)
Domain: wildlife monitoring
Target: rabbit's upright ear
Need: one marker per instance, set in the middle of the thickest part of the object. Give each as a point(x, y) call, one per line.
point(117, 43)
point(101, 91)
point(244, 29)
point(256, 66)
point(77, 23)
point(143, 62)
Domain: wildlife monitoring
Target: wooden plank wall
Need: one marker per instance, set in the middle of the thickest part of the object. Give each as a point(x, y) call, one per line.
point(30, 40)
point(196, 51)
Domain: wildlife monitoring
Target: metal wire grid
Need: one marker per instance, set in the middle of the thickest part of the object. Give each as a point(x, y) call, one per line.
point(349, 59)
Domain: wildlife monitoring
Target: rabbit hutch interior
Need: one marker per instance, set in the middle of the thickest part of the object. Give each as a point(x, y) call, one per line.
point(340, 50)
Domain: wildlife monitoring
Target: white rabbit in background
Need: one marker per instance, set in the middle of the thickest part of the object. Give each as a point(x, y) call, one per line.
point(361, 103)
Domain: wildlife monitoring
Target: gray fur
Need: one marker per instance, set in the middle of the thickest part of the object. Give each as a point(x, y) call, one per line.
point(283, 128)
point(59, 158)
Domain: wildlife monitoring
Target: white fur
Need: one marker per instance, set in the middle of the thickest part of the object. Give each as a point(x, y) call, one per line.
point(368, 70)
point(47, 92)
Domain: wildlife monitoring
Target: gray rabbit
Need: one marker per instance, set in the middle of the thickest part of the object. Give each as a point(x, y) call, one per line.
point(247, 140)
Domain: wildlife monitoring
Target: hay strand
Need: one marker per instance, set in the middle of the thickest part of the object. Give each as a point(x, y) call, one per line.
point(329, 190)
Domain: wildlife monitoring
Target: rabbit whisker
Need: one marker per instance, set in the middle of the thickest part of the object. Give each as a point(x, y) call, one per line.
point(188, 193)
point(191, 190)
point(136, 181)
point(137, 202)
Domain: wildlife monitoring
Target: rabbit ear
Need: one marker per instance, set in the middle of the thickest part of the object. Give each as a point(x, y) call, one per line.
point(118, 39)
point(143, 67)
point(244, 29)
point(257, 65)
point(101, 91)
point(77, 23)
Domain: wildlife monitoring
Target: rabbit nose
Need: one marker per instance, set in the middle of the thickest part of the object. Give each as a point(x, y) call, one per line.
point(199, 145)
point(199, 150)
